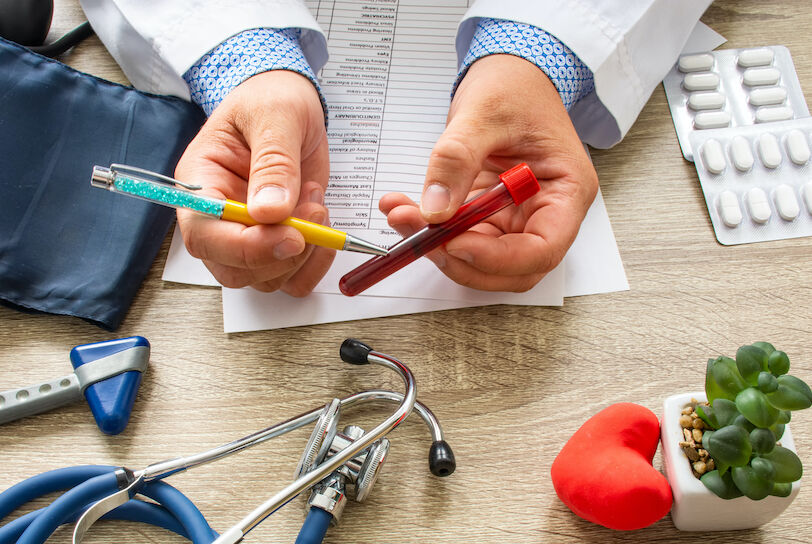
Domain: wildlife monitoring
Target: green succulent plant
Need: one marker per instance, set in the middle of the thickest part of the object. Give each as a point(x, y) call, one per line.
point(751, 399)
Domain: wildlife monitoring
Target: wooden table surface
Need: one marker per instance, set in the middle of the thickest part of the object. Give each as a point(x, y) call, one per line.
point(510, 384)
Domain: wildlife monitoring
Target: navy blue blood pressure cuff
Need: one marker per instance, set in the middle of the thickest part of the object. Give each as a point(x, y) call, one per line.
point(67, 248)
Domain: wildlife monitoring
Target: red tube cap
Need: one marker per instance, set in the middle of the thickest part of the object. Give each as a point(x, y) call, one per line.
point(520, 182)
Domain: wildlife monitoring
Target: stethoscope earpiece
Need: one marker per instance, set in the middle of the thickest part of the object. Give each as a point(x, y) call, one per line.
point(441, 459)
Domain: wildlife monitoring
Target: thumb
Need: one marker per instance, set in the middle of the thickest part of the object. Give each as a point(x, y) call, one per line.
point(275, 175)
point(455, 162)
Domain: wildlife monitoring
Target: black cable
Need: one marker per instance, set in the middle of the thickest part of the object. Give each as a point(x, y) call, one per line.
point(65, 42)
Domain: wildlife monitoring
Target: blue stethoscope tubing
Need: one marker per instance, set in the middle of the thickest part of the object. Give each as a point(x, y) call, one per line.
point(314, 527)
point(172, 510)
point(86, 484)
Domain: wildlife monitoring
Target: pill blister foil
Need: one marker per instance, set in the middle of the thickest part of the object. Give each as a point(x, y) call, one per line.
point(736, 94)
point(798, 177)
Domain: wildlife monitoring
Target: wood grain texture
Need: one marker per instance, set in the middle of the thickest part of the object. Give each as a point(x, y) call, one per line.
point(510, 384)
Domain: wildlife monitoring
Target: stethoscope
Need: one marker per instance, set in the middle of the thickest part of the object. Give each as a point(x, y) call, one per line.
point(334, 465)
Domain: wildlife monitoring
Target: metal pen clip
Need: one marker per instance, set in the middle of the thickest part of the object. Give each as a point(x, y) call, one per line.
point(103, 177)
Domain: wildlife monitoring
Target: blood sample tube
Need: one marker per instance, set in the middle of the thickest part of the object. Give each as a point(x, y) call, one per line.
point(517, 185)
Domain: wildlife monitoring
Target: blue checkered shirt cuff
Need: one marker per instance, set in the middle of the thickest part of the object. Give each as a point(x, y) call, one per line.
point(243, 55)
point(566, 71)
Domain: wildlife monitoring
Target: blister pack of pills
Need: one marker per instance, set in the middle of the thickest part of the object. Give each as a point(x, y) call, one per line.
point(732, 88)
point(757, 180)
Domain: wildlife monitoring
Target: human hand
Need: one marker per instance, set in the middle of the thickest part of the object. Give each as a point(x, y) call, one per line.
point(505, 111)
point(265, 145)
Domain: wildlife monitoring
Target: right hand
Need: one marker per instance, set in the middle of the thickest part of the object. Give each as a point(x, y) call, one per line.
point(265, 145)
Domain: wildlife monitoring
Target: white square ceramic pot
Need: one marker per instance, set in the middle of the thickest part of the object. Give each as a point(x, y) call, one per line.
point(695, 507)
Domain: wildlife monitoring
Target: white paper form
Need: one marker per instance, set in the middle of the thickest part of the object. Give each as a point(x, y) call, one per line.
point(249, 310)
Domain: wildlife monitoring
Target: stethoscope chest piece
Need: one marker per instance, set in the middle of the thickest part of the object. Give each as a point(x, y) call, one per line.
point(320, 439)
point(371, 469)
point(359, 474)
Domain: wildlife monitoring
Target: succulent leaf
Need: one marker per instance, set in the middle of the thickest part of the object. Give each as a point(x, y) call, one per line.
point(764, 468)
point(781, 489)
point(778, 363)
point(765, 346)
point(767, 383)
point(791, 394)
point(707, 414)
point(788, 467)
point(721, 484)
point(784, 416)
point(730, 446)
point(750, 361)
point(725, 412)
point(742, 422)
point(723, 379)
point(752, 484)
point(762, 440)
point(753, 405)
point(712, 389)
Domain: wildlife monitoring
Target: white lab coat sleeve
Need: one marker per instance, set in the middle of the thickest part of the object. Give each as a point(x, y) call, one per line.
point(156, 41)
point(629, 45)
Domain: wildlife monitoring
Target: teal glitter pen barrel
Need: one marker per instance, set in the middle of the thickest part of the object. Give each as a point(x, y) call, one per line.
point(171, 196)
point(159, 189)
point(157, 192)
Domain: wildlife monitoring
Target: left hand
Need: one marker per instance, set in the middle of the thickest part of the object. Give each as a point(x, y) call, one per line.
point(505, 111)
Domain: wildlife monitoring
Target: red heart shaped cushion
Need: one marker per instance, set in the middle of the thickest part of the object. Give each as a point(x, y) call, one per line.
point(604, 473)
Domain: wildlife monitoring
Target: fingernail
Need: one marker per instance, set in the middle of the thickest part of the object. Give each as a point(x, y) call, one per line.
point(320, 218)
point(462, 255)
point(435, 199)
point(317, 196)
point(285, 249)
point(270, 195)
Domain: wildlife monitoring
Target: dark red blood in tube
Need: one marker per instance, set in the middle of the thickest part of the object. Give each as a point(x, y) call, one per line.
point(517, 185)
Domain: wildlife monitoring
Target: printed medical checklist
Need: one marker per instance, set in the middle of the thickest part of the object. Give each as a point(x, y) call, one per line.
point(388, 87)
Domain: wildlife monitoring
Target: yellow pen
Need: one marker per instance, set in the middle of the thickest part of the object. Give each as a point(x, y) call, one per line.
point(154, 187)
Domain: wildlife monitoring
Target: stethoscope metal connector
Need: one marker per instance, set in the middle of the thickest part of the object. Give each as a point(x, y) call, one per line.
point(329, 495)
